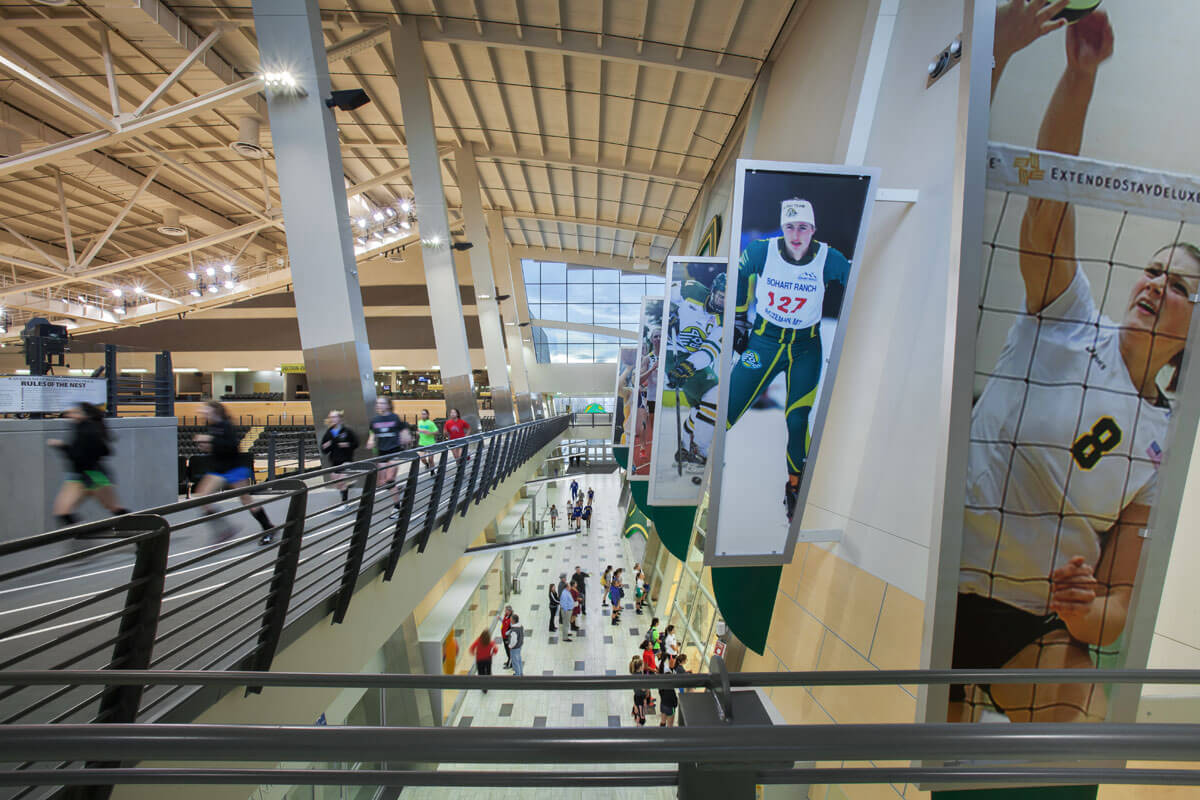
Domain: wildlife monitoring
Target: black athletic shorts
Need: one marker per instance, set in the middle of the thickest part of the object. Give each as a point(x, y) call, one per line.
point(989, 633)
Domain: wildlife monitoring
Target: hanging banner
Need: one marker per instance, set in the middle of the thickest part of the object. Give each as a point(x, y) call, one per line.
point(692, 326)
point(626, 362)
point(636, 522)
point(649, 351)
point(796, 232)
point(1073, 470)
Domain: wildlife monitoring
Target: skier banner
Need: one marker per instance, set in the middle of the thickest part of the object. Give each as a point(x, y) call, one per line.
point(643, 419)
point(796, 232)
point(686, 397)
point(626, 363)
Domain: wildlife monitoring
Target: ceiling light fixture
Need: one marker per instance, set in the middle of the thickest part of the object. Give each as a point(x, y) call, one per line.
point(227, 268)
point(192, 275)
point(170, 223)
point(116, 292)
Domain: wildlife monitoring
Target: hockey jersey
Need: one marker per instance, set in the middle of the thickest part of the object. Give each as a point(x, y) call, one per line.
point(699, 330)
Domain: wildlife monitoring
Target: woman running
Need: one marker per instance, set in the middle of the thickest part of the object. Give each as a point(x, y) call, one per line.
point(456, 428)
point(389, 435)
point(1066, 439)
point(426, 435)
point(226, 470)
point(338, 444)
point(483, 649)
point(85, 452)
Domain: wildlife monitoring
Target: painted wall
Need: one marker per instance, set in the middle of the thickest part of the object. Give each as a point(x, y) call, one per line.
point(572, 379)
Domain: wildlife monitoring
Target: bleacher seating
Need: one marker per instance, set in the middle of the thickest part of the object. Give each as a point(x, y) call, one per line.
point(254, 396)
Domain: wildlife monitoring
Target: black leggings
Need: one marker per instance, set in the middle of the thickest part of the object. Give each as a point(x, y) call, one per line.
point(484, 667)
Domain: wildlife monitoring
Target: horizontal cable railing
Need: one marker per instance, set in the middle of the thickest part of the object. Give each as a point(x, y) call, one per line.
point(177, 588)
point(951, 754)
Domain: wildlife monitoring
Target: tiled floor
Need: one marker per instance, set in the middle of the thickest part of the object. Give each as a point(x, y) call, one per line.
point(604, 649)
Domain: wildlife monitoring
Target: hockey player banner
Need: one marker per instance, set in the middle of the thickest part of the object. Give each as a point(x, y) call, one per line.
point(649, 350)
point(626, 362)
point(1080, 430)
point(687, 379)
point(796, 232)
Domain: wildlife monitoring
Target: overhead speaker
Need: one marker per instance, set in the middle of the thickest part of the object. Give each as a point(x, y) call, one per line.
point(246, 144)
point(170, 223)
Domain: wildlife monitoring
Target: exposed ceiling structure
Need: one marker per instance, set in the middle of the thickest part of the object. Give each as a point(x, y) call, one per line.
point(135, 146)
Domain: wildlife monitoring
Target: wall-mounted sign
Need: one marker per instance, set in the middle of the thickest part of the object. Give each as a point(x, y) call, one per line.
point(291, 369)
point(48, 394)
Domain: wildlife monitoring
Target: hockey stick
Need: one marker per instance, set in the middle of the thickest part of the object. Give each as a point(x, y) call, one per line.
point(673, 330)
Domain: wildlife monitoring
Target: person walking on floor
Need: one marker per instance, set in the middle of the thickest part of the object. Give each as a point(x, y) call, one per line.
point(514, 641)
point(579, 581)
point(591, 493)
point(566, 607)
point(554, 597)
point(587, 516)
point(605, 580)
point(615, 593)
point(505, 623)
point(574, 489)
point(640, 696)
point(86, 477)
point(553, 517)
point(483, 649)
point(338, 445)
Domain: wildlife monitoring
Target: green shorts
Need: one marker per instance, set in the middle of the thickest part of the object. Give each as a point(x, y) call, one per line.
point(91, 479)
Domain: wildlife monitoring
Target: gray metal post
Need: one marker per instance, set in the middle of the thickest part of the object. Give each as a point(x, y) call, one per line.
point(358, 540)
point(333, 331)
point(485, 286)
point(401, 530)
point(435, 498)
point(441, 280)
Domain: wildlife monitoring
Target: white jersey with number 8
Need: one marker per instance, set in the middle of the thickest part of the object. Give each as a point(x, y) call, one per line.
point(1061, 442)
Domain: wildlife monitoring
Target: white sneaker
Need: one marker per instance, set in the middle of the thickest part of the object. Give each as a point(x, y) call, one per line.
point(395, 514)
point(347, 506)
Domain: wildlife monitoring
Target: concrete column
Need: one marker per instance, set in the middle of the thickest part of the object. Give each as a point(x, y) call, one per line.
point(333, 330)
point(445, 305)
point(507, 282)
point(485, 286)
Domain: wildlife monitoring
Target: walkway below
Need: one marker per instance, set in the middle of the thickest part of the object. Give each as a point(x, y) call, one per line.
point(599, 649)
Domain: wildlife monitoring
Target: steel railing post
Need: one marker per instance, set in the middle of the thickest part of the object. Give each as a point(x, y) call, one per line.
point(271, 456)
point(110, 380)
point(406, 507)
point(164, 378)
point(135, 637)
point(502, 460)
point(476, 467)
point(435, 497)
point(460, 471)
point(300, 452)
point(358, 540)
point(279, 596)
point(481, 491)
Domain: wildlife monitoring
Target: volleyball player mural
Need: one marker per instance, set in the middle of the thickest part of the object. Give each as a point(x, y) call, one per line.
point(1089, 284)
point(797, 232)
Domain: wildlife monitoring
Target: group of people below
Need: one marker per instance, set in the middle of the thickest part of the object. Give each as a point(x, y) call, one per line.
point(578, 512)
point(660, 655)
point(512, 637)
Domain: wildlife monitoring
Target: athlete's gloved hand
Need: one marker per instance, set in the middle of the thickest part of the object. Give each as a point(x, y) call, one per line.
point(680, 373)
point(741, 334)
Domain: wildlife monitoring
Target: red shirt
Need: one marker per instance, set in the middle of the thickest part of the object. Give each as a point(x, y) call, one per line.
point(648, 664)
point(456, 428)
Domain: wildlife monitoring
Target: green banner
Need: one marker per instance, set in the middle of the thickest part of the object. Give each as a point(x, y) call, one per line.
point(621, 456)
point(673, 524)
point(636, 522)
point(746, 599)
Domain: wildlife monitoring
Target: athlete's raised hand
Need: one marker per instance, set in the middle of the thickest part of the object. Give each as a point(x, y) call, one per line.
point(1089, 42)
point(1072, 589)
point(1019, 23)
point(680, 373)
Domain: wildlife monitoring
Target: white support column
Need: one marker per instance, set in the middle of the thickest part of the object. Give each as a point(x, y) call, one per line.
point(485, 286)
point(333, 331)
point(441, 280)
point(501, 260)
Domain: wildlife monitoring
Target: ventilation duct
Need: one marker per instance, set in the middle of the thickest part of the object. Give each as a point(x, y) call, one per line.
point(170, 223)
point(246, 145)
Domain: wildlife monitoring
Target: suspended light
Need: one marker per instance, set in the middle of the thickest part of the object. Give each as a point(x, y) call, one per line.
point(229, 284)
point(378, 216)
point(406, 225)
point(192, 275)
point(228, 268)
point(195, 292)
point(210, 271)
point(391, 212)
point(116, 292)
point(213, 289)
point(406, 205)
point(362, 222)
point(138, 290)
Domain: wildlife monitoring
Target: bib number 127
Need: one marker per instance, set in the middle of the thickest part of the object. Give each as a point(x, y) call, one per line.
point(785, 304)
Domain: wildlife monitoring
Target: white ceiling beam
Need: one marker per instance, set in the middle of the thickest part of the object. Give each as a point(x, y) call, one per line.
point(167, 116)
point(103, 238)
point(36, 129)
point(603, 330)
point(583, 45)
point(601, 223)
point(581, 257)
point(59, 264)
point(176, 73)
point(22, 67)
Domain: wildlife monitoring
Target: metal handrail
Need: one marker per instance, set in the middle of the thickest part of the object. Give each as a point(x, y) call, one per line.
point(228, 605)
